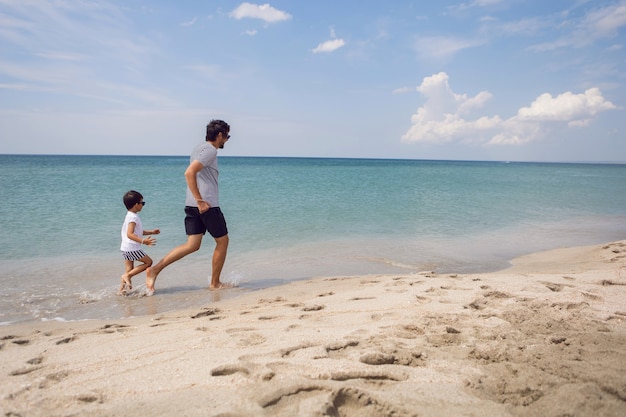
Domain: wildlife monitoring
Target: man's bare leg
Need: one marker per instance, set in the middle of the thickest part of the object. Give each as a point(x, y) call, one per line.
point(219, 257)
point(193, 244)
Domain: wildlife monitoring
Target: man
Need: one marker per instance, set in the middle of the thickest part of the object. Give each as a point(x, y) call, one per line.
point(201, 207)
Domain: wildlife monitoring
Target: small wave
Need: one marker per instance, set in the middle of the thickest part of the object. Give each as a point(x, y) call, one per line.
point(59, 319)
point(392, 263)
point(232, 278)
point(87, 297)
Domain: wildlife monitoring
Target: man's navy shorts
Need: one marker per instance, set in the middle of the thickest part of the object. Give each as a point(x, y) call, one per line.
point(211, 221)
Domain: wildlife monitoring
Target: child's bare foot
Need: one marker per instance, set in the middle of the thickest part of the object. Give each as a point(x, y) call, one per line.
point(126, 280)
point(122, 290)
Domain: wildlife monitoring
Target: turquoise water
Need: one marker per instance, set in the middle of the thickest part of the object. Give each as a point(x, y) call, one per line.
point(288, 218)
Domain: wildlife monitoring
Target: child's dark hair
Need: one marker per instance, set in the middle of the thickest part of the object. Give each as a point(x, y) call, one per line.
point(131, 198)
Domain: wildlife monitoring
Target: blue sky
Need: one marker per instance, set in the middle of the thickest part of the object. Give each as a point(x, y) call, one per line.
point(527, 80)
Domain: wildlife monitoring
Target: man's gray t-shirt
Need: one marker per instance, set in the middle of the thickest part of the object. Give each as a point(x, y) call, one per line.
point(206, 154)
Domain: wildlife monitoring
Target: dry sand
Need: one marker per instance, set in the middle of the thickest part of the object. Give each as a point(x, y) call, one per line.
point(546, 337)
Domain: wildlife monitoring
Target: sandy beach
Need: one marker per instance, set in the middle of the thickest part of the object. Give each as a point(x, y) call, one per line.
point(546, 337)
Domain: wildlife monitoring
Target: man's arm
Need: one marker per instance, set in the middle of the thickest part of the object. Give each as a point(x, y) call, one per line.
point(191, 177)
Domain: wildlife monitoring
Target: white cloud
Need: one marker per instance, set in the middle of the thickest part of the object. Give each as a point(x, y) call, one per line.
point(600, 23)
point(61, 56)
point(524, 27)
point(475, 3)
point(264, 12)
point(207, 71)
point(402, 90)
point(566, 107)
point(190, 22)
point(439, 47)
point(76, 49)
point(484, 3)
point(606, 22)
point(329, 46)
point(447, 116)
point(23, 87)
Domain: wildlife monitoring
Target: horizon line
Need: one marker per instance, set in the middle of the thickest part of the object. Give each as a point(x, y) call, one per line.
point(328, 157)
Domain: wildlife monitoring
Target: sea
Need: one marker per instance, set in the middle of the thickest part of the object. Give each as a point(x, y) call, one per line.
point(288, 219)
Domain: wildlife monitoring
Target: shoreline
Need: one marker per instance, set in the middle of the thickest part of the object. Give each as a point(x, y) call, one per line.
point(546, 336)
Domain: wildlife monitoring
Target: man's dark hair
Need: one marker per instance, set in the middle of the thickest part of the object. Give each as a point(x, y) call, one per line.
point(131, 198)
point(214, 128)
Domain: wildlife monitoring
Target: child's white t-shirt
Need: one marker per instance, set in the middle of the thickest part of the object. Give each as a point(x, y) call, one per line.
point(127, 244)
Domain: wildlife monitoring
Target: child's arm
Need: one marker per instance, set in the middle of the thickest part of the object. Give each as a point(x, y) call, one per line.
point(150, 241)
point(151, 232)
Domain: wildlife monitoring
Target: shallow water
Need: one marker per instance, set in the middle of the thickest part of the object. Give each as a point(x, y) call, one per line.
point(288, 218)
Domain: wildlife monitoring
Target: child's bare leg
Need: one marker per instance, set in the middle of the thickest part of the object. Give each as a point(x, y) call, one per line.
point(126, 278)
point(146, 261)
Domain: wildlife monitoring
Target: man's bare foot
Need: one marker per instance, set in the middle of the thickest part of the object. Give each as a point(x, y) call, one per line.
point(221, 286)
point(126, 280)
point(150, 280)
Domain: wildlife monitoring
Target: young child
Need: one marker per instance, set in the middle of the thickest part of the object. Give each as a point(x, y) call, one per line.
point(132, 239)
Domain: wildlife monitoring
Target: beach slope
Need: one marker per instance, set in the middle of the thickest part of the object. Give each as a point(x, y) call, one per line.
point(546, 337)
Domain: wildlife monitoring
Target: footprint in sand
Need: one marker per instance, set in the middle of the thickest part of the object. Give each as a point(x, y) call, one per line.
point(65, 340)
point(378, 375)
point(289, 351)
point(423, 300)
point(591, 296)
point(326, 294)
point(249, 370)
point(404, 331)
point(53, 379)
point(35, 361)
point(497, 294)
point(318, 399)
point(604, 282)
point(112, 328)
point(313, 308)
point(266, 318)
point(226, 370)
point(342, 345)
point(24, 371)
point(275, 300)
point(240, 329)
point(252, 339)
point(206, 312)
point(552, 286)
point(393, 358)
point(89, 398)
